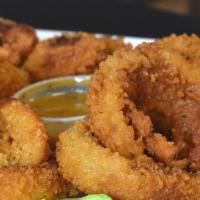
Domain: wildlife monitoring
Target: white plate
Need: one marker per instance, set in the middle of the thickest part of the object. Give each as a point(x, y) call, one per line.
point(44, 34)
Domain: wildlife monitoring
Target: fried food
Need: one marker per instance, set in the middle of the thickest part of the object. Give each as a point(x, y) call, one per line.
point(114, 117)
point(33, 183)
point(147, 99)
point(185, 45)
point(169, 91)
point(110, 105)
point(11, 79)
point(95, 169)
point(69, 54)
point(24, 139)
point(16, 41)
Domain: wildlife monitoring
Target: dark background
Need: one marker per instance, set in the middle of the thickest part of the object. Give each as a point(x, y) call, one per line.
point(125, 17)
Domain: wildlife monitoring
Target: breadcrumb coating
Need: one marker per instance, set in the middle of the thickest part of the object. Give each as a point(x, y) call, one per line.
point(33, 183)
point(69, 54)
point(16, 41)
point(95, 169)
point(24, 139)
point(12, 79)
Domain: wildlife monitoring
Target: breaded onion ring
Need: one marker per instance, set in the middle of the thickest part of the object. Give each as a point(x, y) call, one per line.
point(11, 79)
point(154, 82)
point(33, 183)
point(95, 169)
point(114, 117)
point(169, 91)
point(69, 54)
point(16, 41)
point(23, 138)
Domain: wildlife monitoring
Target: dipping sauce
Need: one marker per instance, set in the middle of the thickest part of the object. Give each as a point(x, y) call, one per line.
point(60, 105)
point(59, 101)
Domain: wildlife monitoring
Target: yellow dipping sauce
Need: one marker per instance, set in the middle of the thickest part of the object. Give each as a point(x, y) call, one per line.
point(61, 105)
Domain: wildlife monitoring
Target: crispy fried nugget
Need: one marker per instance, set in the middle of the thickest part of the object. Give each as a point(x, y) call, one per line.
point(69, 54)
point(33, 183)
point(11, 79)
point(95, 169)
point(23, 138)
point(16, 41)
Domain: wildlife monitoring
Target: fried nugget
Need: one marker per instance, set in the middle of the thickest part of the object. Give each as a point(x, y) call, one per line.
point(69, 55)
point(33, 183)
point(12, 79)
point(16, 41)
point(24, 139)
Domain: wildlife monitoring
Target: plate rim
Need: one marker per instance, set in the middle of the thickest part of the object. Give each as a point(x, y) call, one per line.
point(134, 40)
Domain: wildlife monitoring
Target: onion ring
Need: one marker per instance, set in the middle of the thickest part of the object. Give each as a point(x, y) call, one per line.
point(39, 182)
point(12, 79)
point(114, 117)
point(138, 94)
point(16, 41)
point(24, 139)
point(95, 169)
point(69, 54)
point(169, 91)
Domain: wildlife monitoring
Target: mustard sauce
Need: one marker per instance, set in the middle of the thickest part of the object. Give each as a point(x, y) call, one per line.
point(61, 105)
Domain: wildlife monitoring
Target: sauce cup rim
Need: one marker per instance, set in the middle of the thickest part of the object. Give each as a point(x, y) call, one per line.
point(29, 87)
point(18, 94)
point(63, 119)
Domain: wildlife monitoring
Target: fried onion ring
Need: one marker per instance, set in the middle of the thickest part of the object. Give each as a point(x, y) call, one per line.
point(95, 169)
point(152, 83)
point(33, 183)
point(169, 91)
point(24, 139)
point(114, 117)
point(11, 79)
point(69, 54)
point(16, 41)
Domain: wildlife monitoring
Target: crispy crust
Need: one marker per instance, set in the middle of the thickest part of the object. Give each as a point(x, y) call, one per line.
point(109, 104)
point(24, 137)
point(136, 94)
point(33, 183)
point(95, 169)
point(16, 41)
point(169, 91)
point(114, 116)
point(11, 79)
point(69, 54)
